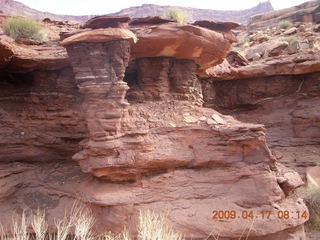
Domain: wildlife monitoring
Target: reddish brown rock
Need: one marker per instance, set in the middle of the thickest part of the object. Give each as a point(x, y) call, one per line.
point(148, 21)
point(305, 12)
point(164, 78)
point(107, 22)
point(20, 58)
point(283, 94)
point(217, 26)
point(220, 164)
point(160, 155)
point(282, 65)
point(205, 47)
point(188, 196)
point(100, 35)
point(40, 116)
point(236, 60)
point(5, 51)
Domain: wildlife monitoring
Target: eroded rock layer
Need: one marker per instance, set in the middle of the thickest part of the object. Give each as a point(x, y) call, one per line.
point(287, 104)
point(99, 70)
point(164, 152)
point(161, 78)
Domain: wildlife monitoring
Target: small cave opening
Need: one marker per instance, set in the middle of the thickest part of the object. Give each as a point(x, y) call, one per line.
point(131, 78)
point(15, 82)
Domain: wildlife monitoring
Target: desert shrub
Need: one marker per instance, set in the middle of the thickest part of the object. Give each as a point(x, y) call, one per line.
point(177, 15)
point(291, 39)
point(311, 196)
point(284, 24)
point(316, 45)
point(20, 27)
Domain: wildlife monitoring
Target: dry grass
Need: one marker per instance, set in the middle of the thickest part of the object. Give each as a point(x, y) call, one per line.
point(316, 45)
point(78, 226)
point(20, 228)
point(79, 223)
point(155, 227)
point(39, 225)
point(311, 196)
point(125, 235)
point(83, 225)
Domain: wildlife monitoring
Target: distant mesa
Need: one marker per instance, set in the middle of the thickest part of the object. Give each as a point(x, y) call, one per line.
point(146, 10)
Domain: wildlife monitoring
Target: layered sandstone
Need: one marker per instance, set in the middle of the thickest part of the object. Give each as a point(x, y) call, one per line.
point(151, 148)
point(305, 12)
point(280, 92)
point(23, 58)
point(183, 42)
point(296, 64)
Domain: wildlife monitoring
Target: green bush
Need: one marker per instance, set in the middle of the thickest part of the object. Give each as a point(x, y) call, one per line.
point(291, 39)
point(177, 15)
point(284, 24)
point(19, 27)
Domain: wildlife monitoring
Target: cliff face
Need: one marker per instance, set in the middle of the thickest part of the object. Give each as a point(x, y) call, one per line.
point(195, 14)
point(286, 105)
point(281, 92)
point(306, 12)
point(131, 116)
point(16, 8)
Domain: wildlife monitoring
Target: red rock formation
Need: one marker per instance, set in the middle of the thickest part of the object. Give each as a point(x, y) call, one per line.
point(164, 78)
point(306, 12)
point(169, 154)
point(40, 117)
point(296, 64)
point(22, 58)
point(107, 21)
point(183, 42)
point(280, 92)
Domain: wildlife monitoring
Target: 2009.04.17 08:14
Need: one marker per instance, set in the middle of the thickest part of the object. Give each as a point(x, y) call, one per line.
point(264, 214)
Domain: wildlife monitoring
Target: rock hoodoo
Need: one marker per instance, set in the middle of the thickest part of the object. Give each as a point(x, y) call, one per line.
point(99, 59)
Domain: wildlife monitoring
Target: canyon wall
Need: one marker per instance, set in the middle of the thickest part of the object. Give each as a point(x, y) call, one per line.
point(282, 94)
point(144, 144)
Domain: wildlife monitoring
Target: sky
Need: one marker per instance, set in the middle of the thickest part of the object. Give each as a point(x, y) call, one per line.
point(91, 7)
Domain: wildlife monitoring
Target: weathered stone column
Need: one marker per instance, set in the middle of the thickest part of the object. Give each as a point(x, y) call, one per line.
point(99, 59)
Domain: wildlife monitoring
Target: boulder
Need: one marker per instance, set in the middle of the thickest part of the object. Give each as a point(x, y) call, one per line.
point(290, 31)
point(205, 47)
point(100, 35)
point(148, 21)
point(275, 48)
point(107, 22)
point(293, 47)
point(236, 60)
point(271, 48)
point(255, 52)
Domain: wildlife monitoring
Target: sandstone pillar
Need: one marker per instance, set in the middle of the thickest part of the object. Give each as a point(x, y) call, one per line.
point(99, 69)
